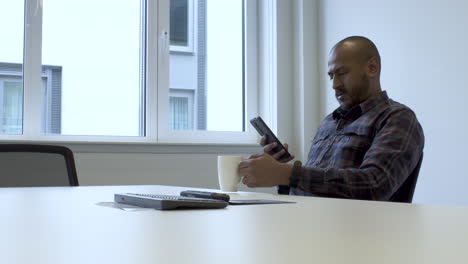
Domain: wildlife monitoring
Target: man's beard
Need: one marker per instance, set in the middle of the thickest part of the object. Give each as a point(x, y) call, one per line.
point(359, 96)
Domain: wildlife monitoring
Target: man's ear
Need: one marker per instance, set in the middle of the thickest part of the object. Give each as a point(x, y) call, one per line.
point(373, 67)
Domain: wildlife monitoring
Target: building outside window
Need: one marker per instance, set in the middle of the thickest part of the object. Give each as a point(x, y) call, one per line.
point(212, 67)
point(11, 98)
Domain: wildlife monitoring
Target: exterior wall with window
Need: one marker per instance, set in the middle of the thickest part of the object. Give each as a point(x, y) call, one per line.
point(188, 65)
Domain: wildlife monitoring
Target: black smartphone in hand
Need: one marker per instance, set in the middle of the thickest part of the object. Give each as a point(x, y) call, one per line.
point(263, 129)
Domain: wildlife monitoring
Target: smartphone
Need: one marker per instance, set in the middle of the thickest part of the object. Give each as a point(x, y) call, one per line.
point(206, 195)
point(263, 129)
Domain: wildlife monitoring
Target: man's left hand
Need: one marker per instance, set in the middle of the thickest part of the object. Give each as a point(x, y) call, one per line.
point(262, 170)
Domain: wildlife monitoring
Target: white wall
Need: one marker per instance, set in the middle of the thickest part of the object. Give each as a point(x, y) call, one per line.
point(170, 166)
point(146, 169)
point(423, 48)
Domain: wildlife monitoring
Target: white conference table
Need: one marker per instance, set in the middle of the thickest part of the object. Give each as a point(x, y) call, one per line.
point(64, 225)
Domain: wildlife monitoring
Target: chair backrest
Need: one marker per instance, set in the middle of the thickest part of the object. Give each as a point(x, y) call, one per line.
point(32, 165)
point(406, 191)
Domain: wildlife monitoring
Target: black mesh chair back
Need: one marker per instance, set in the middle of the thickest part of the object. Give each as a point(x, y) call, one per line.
point(31, 165)
point(406, 191)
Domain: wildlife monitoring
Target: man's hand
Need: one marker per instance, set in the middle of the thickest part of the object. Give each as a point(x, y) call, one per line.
point(262, 170)
point(268, 149)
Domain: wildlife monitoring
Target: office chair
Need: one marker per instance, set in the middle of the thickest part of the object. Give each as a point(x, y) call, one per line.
point(406, 191)
point(31, 165)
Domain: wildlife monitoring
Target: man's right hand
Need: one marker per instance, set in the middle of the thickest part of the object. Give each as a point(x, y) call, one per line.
point(268, 149)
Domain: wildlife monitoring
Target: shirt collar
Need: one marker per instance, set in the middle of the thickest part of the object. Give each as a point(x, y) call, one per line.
point(358, 110)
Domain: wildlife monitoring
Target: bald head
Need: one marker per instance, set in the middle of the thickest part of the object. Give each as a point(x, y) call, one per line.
point(357, 48)
point(354, 69)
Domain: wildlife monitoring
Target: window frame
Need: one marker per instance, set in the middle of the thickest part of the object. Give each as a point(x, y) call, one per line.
point(158, 50)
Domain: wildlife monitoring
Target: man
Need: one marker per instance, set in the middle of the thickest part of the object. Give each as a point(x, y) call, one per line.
point(365, 149)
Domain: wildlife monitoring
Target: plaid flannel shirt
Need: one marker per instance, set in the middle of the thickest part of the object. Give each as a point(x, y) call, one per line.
point(365, 153)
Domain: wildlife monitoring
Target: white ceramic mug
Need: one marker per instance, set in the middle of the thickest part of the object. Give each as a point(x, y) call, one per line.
point(228, 173)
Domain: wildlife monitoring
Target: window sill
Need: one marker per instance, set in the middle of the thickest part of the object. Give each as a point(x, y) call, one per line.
point(147, 147)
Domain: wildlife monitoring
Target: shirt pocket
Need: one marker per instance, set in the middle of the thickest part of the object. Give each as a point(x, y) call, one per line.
point(351, 146)
point(319, 145)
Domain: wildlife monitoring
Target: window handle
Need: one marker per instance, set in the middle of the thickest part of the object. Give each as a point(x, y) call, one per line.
point(164, 47)
point(164, 38)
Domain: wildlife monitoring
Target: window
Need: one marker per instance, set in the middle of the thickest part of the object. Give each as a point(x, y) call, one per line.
point(182, 114)
point(100, 57)
point(11, 98)
point(215, 70)
point(11, 70)
point(179, 22)
point(182, 24)
point(143, 71)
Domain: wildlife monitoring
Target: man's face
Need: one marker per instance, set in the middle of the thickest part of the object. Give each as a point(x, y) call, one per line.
point(349, 78)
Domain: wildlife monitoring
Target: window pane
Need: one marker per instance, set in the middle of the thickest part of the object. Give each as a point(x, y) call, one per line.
point(11, 69)
point(179, 22)
point(91, 68)
point(12, 116)
point(214, 70)
point(179, 113)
